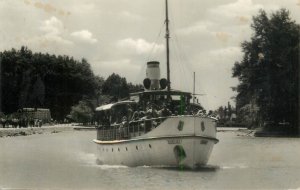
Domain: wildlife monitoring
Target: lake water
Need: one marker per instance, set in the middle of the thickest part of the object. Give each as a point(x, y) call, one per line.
point(67, 161)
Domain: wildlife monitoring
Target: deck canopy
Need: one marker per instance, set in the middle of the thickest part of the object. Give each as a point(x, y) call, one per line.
point(110, 106)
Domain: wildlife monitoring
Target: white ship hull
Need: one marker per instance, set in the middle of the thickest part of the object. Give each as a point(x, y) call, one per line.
point(185, 141)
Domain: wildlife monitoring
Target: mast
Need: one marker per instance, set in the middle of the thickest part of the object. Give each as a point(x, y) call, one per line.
point(194, 89)
point(168, 50)
point(298, 78)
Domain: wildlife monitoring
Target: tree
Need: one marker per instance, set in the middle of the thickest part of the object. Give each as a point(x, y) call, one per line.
point(82, 113)
point(229, 110)
point(57, 82)
point(268, 71)
point(42, 80)
point(99, 81)
point(135, 87)
point(116, 87)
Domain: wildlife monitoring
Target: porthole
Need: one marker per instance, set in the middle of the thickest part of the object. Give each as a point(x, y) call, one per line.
point(126, 149)
point(150, 146)
point(119, 149)
point(136, 147)
point(112, 149)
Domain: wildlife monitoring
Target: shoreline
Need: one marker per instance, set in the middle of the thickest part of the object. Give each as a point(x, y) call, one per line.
point(14, 132)
point(241, 132)
point(260, 132)
point(50, 129)
point(277, 131)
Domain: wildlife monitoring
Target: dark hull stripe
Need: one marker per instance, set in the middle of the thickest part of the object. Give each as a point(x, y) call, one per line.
point(152, 138)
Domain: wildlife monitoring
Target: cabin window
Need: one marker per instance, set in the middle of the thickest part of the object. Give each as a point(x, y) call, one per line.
point(126, 149)
point(119, 149)
point(150, 146)
point(112, 149)
point(137, 147)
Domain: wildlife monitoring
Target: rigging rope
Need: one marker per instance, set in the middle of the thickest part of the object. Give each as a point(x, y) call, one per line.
point(143, 68)
point(183, 58)
point(155, 42)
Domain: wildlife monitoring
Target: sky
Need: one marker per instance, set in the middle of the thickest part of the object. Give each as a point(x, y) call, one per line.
point(121, 36)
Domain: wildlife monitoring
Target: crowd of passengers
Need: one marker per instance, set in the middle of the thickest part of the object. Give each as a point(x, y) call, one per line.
point(155, 111)
point(152, 111)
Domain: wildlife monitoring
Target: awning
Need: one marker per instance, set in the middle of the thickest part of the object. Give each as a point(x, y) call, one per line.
point(109, 106)
point(104, 107)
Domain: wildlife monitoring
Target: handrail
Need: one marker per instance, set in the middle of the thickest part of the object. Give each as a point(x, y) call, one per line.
point(127, 130)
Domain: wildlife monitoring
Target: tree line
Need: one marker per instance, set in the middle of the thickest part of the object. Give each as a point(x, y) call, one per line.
point(268, 73)
point(56, 82)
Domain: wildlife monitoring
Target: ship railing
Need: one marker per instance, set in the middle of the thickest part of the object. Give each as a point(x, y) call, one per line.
point(127, 130)
point(144, 125)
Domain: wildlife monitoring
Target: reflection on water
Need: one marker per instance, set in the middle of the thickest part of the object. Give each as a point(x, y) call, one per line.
point(68, 161)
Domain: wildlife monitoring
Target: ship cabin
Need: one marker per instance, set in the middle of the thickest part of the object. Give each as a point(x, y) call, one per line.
point(143, 112)
point(175, 101)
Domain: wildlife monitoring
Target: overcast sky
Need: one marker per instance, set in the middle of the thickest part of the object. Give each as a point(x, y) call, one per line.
point(122, 35)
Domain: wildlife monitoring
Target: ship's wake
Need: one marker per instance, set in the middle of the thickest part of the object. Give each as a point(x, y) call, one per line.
point(88, 159)
point(108, 167)
point(91, 160)
point(234, 166)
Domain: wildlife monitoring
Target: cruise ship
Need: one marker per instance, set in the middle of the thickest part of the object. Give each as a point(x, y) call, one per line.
point(157, 126)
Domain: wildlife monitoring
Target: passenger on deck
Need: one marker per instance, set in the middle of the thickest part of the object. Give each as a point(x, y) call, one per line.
point(148, 113)
point(151, 112)
point(129, 112)
point(175, 113)
point(164, 112)
point(138, 114)
point(155, 113)
point(135, 116)
point(122, 127)
point(201, 112)
point(142, 114)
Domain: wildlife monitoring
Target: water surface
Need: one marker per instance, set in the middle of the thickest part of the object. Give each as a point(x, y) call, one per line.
point(67, 160)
